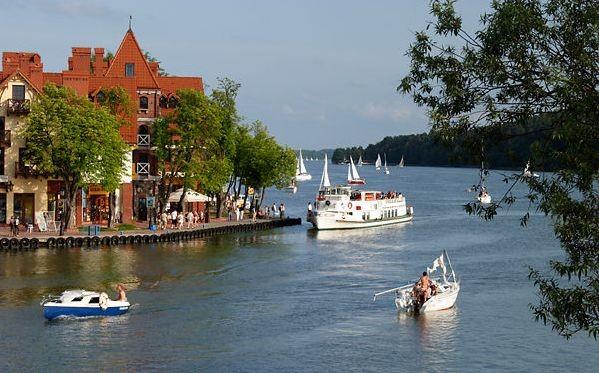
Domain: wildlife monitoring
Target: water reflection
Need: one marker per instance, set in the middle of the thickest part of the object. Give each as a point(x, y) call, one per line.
point(436, 333)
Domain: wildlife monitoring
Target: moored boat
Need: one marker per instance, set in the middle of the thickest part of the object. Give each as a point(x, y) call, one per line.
point(82, 303)
point(443, 295)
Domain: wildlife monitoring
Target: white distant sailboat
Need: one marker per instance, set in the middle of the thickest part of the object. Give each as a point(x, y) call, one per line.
point(378, 162)
point(386, 169)
point(401, 162)
point(300, 171)
point(360, 163)
point(352, 174)
point(527, 172)
point(483, 196)
point(324, 180)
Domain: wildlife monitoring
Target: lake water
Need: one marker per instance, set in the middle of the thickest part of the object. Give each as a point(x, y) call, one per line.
point(297, 300)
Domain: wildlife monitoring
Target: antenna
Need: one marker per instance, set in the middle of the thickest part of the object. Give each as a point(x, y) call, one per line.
point(130, 18)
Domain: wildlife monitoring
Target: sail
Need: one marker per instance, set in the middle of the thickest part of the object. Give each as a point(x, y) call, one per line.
point(354, 171)
point(302, 167)
point(401, 162)
point(297, 167)
point(378, 162)
point(324, 180)
point(386, 169)
point(360, 162)
point(349, 178)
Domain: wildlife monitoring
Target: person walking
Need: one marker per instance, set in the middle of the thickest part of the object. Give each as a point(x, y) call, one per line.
point(281, 210)
point(190, 219)
point(174, 219)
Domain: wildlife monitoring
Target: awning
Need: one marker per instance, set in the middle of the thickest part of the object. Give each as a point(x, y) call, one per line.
point(190, 196)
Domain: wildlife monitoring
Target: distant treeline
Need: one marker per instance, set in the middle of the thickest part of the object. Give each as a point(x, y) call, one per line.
point(512, 150)
point(316, 154)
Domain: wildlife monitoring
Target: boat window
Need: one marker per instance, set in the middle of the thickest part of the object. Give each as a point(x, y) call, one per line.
point(94, 300)
point(77, 299)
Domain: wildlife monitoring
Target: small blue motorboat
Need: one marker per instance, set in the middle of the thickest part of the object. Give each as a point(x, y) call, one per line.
point(82, 303)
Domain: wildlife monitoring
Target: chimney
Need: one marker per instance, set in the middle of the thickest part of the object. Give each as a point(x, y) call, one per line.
point(81, 60)
point(154, 66)
point(100, 66)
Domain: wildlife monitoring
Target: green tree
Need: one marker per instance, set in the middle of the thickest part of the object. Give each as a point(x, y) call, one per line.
point(225, 96)
point(261, 162)
point(184, 140)
point(72, 139)
point(530, 59)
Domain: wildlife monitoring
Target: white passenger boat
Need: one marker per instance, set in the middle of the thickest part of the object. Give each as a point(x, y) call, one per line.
point(341, 207)
point(301, 174)
point(443, 296)
point(82, 303)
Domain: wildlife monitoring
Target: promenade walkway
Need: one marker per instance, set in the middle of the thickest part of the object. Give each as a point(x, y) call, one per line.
point(141, 235)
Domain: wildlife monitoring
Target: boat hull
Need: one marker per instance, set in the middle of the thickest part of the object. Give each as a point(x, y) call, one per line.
point(439, 302)
point(328, 223)
point(303, 177)
point(52, 312)
point(356, 182)
point(484, 199)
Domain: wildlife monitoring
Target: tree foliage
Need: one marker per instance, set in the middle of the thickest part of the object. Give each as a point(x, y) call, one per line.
point(530, 59)
point(70, 138)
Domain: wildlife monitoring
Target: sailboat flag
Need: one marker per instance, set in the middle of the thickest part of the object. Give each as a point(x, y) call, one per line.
point(438, 263)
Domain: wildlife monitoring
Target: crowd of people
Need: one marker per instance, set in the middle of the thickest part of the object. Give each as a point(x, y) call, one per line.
point(174, 219)
point(236, 211)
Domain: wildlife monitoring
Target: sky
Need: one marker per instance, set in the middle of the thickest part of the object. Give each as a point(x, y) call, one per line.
point(319, 74)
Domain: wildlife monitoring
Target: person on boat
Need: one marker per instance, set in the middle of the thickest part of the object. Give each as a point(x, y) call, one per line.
point(120, 290)
point(309, 209)
point(422, 288)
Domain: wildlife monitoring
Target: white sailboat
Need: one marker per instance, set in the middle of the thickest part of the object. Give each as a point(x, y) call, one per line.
point(378, 162)
point(324, 180)
point(444, 292)
point(401, 162)
point(483, 196)
point(360, 163)
point(352, 174)
point(386, 169)
point(527, 172)
point(300, 171)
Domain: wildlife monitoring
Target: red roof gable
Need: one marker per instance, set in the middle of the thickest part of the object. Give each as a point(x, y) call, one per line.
point(130, 52)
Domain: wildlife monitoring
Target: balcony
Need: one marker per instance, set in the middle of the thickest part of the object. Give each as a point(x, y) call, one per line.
point(143, 140)
point(5, 139)
point(24, 170)
point(142, 168)
point(17, 107)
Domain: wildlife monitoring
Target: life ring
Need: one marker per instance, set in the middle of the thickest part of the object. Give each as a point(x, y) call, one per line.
point(349, 205)
point(104, 301)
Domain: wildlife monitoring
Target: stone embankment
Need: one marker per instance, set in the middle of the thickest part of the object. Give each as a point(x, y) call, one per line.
point(136, 238)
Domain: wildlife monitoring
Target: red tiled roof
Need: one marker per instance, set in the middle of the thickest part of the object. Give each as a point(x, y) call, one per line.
point(130, 52)
point(171, 84)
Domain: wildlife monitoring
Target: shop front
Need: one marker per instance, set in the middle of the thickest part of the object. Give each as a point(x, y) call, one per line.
point(96, 205)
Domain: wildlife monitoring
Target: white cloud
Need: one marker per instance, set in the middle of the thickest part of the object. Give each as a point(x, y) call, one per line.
point(384, 112)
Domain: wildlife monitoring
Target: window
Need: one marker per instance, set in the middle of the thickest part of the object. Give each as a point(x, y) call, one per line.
point(129, 69)
point(100, 97)
point(163, 102)
point(94, 300)
point(18, 92)
point(143, 103)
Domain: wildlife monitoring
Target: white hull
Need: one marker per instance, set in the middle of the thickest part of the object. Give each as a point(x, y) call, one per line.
point(323, 222)
point(303, 177)
point(438, 302)
point(484, 199)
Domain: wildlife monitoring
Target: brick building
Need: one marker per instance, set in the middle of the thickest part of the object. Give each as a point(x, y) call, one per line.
point(28, 195)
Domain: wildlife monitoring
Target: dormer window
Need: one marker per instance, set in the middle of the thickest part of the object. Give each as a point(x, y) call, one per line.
point(129, 69)
point(18, 92)
point(143, 103)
